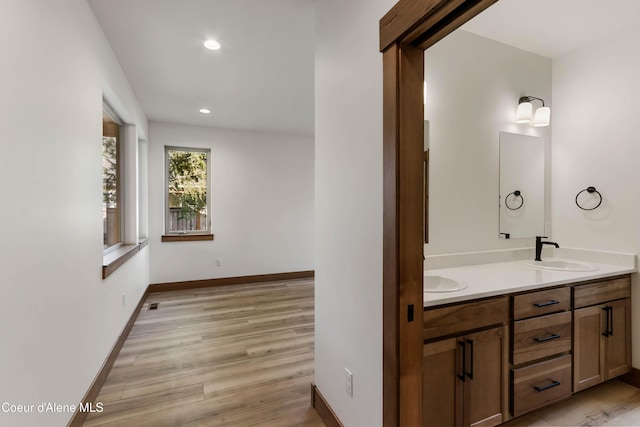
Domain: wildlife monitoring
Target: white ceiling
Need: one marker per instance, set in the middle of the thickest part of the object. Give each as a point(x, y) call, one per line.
point(553, 28)
point(262, 79)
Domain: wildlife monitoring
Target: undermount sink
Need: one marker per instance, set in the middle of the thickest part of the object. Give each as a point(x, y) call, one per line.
point(442, 284)
point(563, 265)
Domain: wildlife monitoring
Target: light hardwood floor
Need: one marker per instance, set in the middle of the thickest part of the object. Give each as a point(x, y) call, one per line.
point(612, 404)
point(239, 355)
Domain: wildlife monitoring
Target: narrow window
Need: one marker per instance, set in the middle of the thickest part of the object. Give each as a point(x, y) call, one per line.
point(111, 181)
point(186, 191)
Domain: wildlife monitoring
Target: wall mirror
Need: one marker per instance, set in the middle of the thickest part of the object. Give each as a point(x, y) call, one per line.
point(425, 182)
point(521, 191)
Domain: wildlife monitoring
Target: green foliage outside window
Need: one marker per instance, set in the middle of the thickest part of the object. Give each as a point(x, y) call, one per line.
point(188, 183)
point(109, 171)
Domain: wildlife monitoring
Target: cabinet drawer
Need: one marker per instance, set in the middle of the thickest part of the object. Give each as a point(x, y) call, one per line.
point(540, 384)
point(541, 302)
point(541, 337)
point(599, 292)
point(460, 318)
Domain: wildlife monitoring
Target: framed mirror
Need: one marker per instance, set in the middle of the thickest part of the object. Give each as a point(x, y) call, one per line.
point(521, 192)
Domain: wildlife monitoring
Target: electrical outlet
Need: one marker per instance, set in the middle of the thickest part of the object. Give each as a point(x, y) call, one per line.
point(348, 378)
point(124, 298)
point(219, 262)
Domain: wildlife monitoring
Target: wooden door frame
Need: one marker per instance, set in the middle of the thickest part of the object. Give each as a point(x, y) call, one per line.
point(409, 28)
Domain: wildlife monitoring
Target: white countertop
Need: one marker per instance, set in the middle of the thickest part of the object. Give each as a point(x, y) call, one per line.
point(501, 278)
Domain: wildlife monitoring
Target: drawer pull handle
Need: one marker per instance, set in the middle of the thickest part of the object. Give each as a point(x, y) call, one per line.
point(547, 387)
point(549, 338)
point(544, 304)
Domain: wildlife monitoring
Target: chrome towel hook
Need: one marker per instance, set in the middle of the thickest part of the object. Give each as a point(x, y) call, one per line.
point(589, 190)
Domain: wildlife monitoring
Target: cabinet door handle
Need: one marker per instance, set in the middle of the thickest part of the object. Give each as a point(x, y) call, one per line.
point(549, 338)
point(470, 371)
point(464, 360)
point(610, 321)
point(547, 387)
point(606, 332)
point(544, 304)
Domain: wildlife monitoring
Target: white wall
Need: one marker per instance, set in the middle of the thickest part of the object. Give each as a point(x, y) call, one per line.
point(58, 318)
point(595, 143)
point(348, 292)
point(262, 196)
point(473, 86)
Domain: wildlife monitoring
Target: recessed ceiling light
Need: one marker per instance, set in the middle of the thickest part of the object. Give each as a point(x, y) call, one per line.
point(212, 45)
point(205, 111)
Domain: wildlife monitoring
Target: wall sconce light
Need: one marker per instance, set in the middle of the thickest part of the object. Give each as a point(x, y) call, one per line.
point(524, 113)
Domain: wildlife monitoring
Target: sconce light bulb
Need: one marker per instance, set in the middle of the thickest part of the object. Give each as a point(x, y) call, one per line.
point(542, 118)
point(524, 112)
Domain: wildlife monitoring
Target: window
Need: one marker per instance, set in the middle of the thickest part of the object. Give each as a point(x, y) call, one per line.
point(120, 192)
point(111, 181)
point(186, 197)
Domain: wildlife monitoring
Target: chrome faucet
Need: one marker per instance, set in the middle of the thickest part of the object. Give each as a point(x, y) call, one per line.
point(539, 244)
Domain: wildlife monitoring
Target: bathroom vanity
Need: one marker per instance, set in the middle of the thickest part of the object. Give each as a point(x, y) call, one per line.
point(498, 351)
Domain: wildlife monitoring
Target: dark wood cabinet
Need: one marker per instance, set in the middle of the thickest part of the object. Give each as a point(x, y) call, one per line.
point(538, 303)
point(540, 384)
point(486, 390)
point(440, 391)
point(587, 348)
point(464, 379)
point(540, 350)
point(617, 360)
point(523, 351)
point(602, 343)
point(541, 337)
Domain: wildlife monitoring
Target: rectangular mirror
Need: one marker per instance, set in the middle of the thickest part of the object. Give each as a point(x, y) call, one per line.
point(521, 185)
point(425, 182)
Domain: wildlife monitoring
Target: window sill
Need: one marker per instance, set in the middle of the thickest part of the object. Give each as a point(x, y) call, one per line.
point(112, 261)
point(186, 237)
point(143, 241)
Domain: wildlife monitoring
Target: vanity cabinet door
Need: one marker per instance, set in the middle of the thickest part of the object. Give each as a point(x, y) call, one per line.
point(618, 342)
point(486, 387)
point(441, 385)
point(602, 343)
point(464, 380)
point(588, 347)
